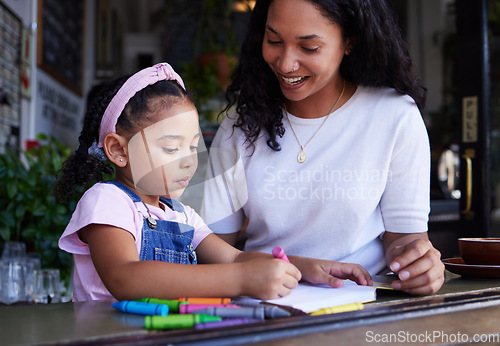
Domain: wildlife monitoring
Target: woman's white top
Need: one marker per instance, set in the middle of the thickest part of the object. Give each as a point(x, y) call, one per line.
point(367, 171)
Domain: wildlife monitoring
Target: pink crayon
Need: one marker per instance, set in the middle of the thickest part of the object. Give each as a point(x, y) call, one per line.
point(278, 252)
point(190, 308)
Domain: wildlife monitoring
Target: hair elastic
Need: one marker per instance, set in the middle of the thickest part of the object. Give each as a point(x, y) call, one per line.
point(135, 83)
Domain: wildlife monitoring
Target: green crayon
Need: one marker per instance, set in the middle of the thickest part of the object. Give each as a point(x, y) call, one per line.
point(177, 321)
point(173, 305)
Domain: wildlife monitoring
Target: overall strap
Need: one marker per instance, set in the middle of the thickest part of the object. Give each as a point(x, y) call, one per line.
point(125, 189)
point(173, 204)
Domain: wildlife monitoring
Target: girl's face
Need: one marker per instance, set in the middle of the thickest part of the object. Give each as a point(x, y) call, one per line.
point(297, 34)
point(163, 156)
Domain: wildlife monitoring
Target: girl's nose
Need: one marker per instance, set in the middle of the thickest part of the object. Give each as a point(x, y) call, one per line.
point(189, 160)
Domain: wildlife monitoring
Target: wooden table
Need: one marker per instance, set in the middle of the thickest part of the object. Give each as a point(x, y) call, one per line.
point(459, 311)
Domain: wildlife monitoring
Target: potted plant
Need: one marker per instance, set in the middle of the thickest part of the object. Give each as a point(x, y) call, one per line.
point(28, 210)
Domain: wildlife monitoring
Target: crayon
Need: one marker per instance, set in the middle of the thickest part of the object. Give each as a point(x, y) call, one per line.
point(190, 308)
point(338, 309)
point(173, 305)
point(223, 301)
point(278, 252)
point(177, 321)
point(141, 308)
point(270, 311)
point(243, 312)
point(226, 323)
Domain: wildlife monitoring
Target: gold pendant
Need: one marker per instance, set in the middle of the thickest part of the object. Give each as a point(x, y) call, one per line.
point(301, 157)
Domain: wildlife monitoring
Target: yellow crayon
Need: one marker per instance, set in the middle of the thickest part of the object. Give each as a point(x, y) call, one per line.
point(339, 308)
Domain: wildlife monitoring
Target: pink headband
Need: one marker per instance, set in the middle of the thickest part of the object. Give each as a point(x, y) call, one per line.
point(135, 83)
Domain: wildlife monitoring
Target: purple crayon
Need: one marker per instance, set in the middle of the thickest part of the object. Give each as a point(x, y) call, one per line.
point(190, 308)
point(226, 323)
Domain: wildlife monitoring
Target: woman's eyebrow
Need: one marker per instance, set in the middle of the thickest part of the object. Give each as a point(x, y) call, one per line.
point(308, 37)
point(305, 37)
point(271, 29)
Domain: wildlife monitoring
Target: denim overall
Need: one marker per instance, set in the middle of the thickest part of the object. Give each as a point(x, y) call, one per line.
point(167, 241)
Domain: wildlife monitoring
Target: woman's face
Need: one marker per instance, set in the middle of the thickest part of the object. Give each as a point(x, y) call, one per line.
point(297, 34)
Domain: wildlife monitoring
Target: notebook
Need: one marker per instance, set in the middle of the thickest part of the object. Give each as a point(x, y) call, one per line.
point(309, 297)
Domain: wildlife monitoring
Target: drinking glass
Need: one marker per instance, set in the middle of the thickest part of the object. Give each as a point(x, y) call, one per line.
point(47, 288)
point(14, 250)
point(13, 281)
point(33, 264)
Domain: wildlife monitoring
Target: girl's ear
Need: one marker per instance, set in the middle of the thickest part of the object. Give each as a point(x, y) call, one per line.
point(115, 147)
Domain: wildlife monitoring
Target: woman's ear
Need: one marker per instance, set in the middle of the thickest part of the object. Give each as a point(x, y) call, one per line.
point(349, 45)
point(115, 147)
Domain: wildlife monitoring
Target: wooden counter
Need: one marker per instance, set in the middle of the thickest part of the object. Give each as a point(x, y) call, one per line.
point(459, 311)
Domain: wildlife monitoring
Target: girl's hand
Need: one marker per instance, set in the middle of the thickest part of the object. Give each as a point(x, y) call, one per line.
point(416, 262)
point(331, 273)
point(268, 278)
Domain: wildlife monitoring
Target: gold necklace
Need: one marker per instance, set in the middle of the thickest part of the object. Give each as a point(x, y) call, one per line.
point(302, 154)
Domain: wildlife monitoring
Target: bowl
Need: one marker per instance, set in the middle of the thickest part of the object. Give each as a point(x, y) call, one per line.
point(480, 250)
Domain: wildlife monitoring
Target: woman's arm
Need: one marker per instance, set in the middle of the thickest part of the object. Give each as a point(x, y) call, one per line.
point(417, 263)
point(116, 260)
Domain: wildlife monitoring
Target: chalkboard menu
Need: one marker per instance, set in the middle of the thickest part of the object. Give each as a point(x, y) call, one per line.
point(10, 79)
point(60, 38)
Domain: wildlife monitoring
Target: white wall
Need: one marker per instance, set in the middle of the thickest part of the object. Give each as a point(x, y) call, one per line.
point(52, 108)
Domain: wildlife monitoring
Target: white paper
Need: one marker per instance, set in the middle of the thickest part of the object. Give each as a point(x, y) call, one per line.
point(308, 297)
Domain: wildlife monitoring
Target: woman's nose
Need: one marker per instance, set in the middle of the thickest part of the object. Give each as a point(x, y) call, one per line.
point(287, 61)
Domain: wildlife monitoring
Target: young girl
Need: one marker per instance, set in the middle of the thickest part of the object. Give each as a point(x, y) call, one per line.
point(130, 237)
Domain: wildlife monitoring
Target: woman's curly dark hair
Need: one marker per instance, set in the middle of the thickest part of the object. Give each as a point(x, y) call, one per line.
point(379, 57)
point(82, 168)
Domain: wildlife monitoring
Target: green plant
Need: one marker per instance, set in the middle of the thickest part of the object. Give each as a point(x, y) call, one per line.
point(210, 24)
point(211, 27)
point(28, 210)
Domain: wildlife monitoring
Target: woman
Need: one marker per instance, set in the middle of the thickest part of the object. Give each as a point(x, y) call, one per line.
point(332, 156)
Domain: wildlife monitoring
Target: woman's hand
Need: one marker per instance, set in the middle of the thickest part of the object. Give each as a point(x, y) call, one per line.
point(331, 273)
point(416, 262)
point(268, 278)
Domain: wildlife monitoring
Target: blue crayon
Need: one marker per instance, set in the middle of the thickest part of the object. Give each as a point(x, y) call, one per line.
point(141, 308)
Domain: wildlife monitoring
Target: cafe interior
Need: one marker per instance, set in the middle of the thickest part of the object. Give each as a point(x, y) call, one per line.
point(455, 47)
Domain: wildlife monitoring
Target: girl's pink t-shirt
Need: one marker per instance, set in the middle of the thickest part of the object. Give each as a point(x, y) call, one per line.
point(107, 204)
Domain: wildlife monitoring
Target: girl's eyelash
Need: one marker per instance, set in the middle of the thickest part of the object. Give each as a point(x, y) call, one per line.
point(170, 150)
point(193, 147)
